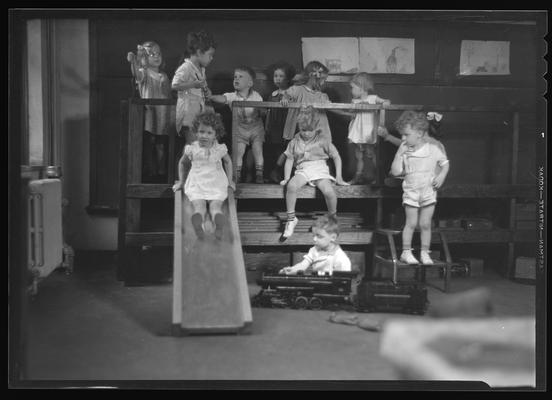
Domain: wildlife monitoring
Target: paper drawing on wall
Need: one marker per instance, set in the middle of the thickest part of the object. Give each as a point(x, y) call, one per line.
point(339, 54)
point(387, 55)
point(478, 57)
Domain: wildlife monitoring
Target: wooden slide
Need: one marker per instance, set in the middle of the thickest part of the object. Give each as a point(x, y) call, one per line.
point(210, 293)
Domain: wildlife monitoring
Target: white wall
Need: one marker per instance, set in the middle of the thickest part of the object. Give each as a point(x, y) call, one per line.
point(82, 231)
point(34, 91)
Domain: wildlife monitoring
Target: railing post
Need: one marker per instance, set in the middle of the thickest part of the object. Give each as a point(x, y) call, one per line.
point(513, 179)
point(235, 144)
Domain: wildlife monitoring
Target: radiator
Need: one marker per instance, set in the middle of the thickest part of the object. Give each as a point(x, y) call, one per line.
point(45, 240)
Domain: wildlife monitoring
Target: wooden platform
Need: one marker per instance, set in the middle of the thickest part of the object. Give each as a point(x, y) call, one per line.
point(273, 191)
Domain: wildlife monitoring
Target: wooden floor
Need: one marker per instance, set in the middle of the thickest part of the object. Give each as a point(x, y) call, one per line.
point(88, 326)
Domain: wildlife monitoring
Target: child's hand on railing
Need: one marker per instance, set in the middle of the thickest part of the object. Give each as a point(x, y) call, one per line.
point(284, 182)
point(383, 132)
point(284, 101)
point(285, 270)
point(177, 186)
point(232, 184)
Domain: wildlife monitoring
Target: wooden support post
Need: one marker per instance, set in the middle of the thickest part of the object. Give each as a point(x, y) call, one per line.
point(177, 261)
point(380, 122)
point(235, 144)
point(122, 189)
point(379, 178)
point(134, 163)
point(514, 171)
point(171, 162)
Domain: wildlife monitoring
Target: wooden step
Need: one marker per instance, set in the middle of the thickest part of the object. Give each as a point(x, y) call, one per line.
point(273, 191)
point(353, 237)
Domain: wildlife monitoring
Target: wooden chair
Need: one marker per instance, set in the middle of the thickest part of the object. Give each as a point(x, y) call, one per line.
point(392, 261)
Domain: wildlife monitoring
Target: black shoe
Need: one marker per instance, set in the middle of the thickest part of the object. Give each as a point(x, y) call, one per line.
point(197, 223)
point(259, 178)
point(219, 225)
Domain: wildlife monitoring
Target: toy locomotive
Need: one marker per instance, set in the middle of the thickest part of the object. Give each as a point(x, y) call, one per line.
point(342, 289)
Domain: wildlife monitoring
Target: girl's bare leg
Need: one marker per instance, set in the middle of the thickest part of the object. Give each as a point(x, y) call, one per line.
point(326, 187)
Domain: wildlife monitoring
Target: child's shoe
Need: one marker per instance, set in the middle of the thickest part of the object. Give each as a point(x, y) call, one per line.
point(259, 178)
point(219, 225)
point(197, 223)
point(408, 257)
point(425, 258)
point(290, 226)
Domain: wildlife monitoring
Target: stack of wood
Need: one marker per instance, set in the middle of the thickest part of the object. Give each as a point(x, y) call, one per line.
point(275, 221)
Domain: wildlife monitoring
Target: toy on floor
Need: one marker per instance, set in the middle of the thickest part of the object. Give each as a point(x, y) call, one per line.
point(339, 290)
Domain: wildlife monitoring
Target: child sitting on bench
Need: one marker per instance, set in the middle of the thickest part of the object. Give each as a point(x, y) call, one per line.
point(310, 150)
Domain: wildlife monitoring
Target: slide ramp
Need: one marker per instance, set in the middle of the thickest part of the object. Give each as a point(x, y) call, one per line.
point(210, 293)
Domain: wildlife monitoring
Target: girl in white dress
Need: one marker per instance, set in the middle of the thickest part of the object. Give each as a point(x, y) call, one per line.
point(201, 168)
point(362, 129)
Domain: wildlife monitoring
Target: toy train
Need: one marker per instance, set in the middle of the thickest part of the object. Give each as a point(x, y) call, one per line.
point(342, 289)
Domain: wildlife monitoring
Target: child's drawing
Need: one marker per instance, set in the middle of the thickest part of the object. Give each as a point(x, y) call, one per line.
point(387, 55)
point(479, 57)
point(339, 55)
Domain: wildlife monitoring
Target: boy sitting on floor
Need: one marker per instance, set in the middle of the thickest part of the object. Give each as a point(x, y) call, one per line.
point(326, 255)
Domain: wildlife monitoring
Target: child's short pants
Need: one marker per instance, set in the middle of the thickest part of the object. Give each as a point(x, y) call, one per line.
point(314, 170)
point(250, 133)
point(420, 196)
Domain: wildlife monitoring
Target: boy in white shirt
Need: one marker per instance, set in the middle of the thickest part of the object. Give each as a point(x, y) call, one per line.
point(250, 125)
point(326, 255)
point(417, 160)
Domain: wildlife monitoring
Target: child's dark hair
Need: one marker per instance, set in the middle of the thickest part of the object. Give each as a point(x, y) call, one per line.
point(328, 223)
point(289, 70)
point(211, 119)
point(201, 41)
point(248, 70)
point(417, 120)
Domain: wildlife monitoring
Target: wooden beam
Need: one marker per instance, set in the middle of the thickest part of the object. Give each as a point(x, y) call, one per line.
point(343, 106)
point(371, 107)
point(346, 238)
point(149, 191)
point(273, 191)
